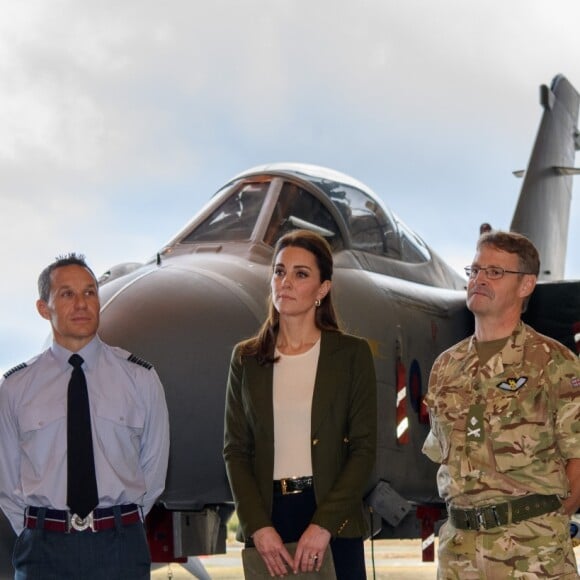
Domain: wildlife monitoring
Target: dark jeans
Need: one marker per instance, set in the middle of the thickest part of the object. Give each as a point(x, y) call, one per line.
point(115, 554)
point(291, 515)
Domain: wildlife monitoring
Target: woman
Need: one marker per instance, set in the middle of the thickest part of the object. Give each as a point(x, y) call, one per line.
point(300, 421)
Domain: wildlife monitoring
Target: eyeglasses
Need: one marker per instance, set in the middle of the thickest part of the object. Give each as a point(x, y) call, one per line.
point(491, 272)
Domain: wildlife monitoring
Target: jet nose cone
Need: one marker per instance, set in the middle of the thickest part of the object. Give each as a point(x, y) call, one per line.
point(186, 322)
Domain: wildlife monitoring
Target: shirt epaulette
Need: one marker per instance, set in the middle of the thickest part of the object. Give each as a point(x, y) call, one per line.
point(14, 370)
point(139, 361)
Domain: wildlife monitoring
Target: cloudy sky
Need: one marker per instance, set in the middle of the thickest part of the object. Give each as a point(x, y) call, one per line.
point(118, 120)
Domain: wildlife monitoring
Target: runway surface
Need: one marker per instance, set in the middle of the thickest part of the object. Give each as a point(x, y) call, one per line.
point(393, 560)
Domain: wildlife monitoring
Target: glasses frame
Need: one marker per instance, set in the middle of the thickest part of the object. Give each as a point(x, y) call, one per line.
point(469, 271)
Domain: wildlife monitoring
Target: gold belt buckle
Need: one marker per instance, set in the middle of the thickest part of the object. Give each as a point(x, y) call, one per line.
point(81, 524)
point(284, 488)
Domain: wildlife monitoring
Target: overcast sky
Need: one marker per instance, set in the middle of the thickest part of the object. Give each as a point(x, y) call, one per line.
point(118, 120)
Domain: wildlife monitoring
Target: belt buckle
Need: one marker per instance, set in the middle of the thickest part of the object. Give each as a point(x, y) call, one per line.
point(480, 518)
point(81, 524)
point(284, 488)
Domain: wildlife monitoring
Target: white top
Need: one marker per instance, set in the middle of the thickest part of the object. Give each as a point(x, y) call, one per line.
point(294, 377)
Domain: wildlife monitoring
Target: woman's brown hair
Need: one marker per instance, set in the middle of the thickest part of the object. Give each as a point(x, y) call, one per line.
point(263, 344)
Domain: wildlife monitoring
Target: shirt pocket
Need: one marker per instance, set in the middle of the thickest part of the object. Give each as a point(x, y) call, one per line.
point(120, 415)
point(41, 428)
point(34, 418)
point(520, 431)
point(119, 426)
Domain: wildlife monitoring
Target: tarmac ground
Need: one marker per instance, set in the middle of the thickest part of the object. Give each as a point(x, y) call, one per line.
point(392, 559)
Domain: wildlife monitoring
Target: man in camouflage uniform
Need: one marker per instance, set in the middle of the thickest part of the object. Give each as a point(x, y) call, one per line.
point(505, 426)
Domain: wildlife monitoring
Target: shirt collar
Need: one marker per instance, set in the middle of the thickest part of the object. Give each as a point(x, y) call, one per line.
point(511, 354)
point(89, 353)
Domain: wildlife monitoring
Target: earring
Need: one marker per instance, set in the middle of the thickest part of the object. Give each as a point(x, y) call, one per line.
point(317, 303)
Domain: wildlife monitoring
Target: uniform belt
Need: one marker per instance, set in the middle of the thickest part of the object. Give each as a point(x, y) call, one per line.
point(503, 514)
point(63, 521)
point(290, 485)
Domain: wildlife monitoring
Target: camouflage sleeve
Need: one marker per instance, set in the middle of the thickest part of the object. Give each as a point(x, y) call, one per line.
point(564, 374)
point(434, 380)
point(432, 446)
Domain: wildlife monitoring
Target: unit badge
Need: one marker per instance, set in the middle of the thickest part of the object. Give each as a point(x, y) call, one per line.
point(475, 430)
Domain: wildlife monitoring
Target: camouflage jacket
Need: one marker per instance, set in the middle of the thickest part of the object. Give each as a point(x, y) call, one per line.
point(508, 427)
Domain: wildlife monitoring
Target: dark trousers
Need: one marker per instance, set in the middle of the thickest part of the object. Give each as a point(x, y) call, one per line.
point(116, 554)
point(291, 515)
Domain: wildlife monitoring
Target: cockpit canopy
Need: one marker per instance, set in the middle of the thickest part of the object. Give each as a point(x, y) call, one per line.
point(291, 196)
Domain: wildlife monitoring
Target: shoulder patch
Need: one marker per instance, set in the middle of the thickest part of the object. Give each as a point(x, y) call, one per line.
point(139, 361)
point(14, 370)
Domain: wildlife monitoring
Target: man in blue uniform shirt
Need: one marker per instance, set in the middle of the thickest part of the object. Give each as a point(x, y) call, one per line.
point(128, 431)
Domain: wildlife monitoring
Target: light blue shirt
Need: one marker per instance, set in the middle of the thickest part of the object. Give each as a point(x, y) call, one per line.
point(129, 422)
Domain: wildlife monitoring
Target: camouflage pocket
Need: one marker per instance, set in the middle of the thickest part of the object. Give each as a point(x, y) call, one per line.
point(520, 433)
point(543, 548)
point(457, 554)
point(448, 423)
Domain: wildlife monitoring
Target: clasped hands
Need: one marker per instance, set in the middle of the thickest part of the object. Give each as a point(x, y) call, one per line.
point(310, 551)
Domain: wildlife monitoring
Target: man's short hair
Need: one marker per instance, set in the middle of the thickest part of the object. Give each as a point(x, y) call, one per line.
point(71, 259)
point(513, 243)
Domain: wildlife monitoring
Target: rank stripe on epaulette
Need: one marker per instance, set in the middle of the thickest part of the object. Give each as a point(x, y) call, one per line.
point(139, 361)
point(14, 370)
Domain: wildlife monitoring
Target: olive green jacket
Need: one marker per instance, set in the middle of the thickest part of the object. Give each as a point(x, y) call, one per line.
point(343, 436)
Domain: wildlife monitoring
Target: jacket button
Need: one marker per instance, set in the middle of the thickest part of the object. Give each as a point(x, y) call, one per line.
point(315, 442)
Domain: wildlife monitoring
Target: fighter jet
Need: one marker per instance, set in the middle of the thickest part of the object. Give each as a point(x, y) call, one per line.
point(186, 307)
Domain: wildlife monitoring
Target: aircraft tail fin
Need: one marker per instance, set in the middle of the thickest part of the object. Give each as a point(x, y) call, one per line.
point(543, 209)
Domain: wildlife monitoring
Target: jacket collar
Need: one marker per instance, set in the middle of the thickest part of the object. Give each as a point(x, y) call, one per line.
point(512, 353)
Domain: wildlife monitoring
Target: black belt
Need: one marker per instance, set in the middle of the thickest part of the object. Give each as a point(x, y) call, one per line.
point(63, 521)
point(503, 514)
point(290, 485)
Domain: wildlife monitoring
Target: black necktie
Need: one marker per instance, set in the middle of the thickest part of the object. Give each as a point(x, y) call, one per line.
point(82, 496)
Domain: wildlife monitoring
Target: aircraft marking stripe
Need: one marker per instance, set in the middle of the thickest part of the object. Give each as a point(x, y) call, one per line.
point(427, 542)
point(402, 427)
point(401, 395)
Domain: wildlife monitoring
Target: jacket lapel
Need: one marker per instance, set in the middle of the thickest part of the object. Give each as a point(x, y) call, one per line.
point(325, 382)
point(259, 383)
